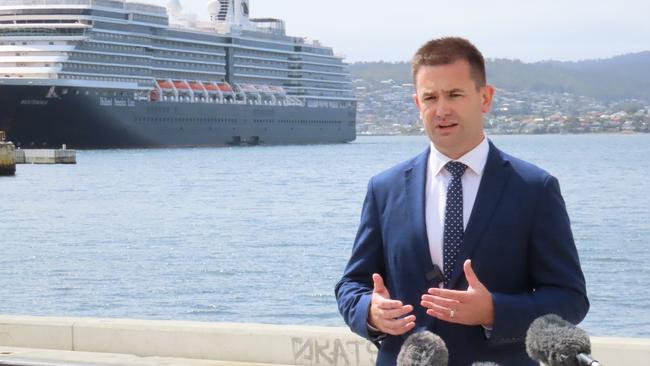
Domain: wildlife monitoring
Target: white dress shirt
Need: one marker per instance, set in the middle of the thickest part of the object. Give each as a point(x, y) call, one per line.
point(438, 179)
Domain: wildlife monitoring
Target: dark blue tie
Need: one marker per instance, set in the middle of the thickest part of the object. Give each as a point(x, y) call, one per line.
point(453, 231)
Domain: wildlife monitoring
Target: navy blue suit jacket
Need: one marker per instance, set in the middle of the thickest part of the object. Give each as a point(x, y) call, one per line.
point(518, 237)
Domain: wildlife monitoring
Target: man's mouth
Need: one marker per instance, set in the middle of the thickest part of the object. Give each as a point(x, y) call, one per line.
point(444, 126)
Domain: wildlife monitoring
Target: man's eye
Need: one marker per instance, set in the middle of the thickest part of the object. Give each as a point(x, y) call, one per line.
point(455, 95)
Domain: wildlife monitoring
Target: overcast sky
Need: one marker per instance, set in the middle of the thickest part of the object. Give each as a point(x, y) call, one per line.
point(391, 30)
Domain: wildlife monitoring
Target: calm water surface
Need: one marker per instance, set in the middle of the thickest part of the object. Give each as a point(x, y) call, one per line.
point(262, 234)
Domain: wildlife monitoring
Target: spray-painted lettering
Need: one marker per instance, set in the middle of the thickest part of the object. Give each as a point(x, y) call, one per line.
point(333, 352)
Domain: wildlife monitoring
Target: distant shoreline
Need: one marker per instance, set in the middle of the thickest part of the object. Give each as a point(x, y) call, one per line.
point(491, 133)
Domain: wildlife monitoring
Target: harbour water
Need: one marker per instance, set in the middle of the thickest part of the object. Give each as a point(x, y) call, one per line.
point(261, 234)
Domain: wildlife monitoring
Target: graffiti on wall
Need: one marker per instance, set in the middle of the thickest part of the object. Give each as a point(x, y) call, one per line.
point(333, 352)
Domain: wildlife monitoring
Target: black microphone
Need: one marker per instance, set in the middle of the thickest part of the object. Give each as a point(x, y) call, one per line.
point(435, 276)
point(556, 342)
point(423, 349)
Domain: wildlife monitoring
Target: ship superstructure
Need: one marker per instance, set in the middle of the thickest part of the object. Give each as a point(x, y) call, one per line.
point(105, 73)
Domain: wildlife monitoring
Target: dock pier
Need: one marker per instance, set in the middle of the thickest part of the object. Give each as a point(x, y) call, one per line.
point(46, 156)
point(10, 156)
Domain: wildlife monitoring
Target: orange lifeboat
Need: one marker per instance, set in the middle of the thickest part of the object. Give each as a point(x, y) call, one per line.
point(210, 87)
point(196, 86)
point(180, 85)
point(164, 84)
point(225, 87)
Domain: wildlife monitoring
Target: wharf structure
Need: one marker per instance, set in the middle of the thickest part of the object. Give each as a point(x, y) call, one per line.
point(46, 156)
point(107, 73)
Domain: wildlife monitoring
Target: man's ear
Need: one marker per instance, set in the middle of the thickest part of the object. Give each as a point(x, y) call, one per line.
point(417, 104)
point(487, 92)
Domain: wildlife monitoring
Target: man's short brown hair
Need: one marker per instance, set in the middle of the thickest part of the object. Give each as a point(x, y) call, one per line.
point(447, 50)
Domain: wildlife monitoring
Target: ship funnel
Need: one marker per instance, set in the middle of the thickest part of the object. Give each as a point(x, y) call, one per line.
point(234, 14)
point(174, 8)
point(218, 10)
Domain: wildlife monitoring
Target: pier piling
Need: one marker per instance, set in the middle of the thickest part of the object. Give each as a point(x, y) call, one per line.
point(7, 156)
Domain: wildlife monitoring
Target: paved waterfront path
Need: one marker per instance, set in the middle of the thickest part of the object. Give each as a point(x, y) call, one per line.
point(44, 357)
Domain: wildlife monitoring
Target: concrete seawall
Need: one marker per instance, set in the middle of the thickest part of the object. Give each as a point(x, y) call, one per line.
point(97, 341)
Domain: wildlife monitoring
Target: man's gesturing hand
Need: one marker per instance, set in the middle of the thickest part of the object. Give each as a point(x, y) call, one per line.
point(388, 315)
point(471, 307)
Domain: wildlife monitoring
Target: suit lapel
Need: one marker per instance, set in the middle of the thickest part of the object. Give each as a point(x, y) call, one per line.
point(495, 175)
point(415, 182)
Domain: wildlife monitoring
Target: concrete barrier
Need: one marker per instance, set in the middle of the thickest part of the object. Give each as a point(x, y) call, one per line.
point(20, 156)
point(7, 158)
point(234, 342)
point(237, 342)
point(46, 156)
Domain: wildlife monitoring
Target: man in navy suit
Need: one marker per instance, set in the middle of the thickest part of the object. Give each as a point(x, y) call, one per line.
point(463, 239)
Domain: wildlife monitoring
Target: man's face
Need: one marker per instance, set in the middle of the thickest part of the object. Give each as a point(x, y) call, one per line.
point(451, 107)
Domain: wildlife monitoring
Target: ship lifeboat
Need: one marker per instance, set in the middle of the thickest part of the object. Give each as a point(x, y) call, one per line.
point(248, 88)
point(264, 88)
point(210, 87)
point(252, 94)
point(164, 84)
point(196, 86)
point(180, 85)
point(266, 94)
point(277, 89)
point(225, 87)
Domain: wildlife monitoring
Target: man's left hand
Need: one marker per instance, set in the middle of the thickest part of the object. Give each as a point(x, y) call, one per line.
point(471, 307)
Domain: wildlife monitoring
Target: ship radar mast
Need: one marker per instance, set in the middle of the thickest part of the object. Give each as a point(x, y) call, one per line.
point(230, 16)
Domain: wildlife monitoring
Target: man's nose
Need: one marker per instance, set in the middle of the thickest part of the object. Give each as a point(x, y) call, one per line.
point(442, 107)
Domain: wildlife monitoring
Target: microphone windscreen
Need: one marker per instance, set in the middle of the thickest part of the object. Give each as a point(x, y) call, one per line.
point(556, 342)
point(423, 349)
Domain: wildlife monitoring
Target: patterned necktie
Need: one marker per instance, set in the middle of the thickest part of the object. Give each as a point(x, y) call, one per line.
point(453, 230)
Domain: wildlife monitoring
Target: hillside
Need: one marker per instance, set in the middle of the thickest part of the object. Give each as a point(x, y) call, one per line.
point(617, 78)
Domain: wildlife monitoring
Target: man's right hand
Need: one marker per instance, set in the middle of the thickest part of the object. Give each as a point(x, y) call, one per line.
point(388, 315)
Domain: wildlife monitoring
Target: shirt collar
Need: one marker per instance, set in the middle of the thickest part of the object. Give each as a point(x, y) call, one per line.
point(475, 159)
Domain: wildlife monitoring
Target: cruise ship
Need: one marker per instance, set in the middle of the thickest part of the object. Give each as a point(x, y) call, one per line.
point(114, 74)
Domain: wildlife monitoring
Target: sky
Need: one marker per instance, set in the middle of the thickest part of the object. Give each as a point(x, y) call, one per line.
point(392, 30)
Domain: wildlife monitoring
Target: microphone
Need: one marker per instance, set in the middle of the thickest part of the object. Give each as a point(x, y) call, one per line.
point(423, 349)
point(435, 276)
point(485, 364)
point(554, 341)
